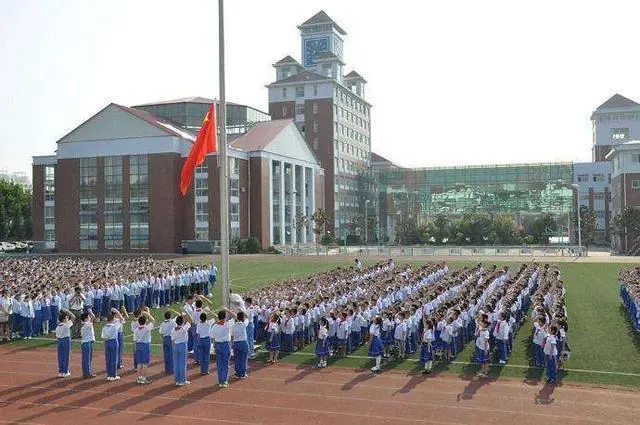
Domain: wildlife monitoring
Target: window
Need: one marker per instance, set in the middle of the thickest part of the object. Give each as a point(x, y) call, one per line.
point(234, 187)
point(202, 187)
point(299, 109)
point(635, 158)
point(49, 184)
point(583, 177)
point(113, 202)
point(234, 166)
point(300, 91)
point(315, 126)
point(139, 201)
point(284, 110)
point(598, 178)
point(88, 203)
point(315, 89)
point(619, 134)
point(315, 107)
point(284, 92)
point(315, 143)
point(49, 217)
point(235, 211)
point(635, 184)
point(598, 196)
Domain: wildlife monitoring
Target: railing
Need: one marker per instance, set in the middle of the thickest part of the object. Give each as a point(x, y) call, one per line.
point(436, 251)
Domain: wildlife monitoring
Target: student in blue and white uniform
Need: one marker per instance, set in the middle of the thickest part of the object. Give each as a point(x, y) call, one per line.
point(375, 348)
point(426, 351)
point(63, 342)
point(239, 336)
point(142, 338)
point(110, 336)
point(221, 332)
point(180, 337)
point(165, 330)
point(322, 343)
point(274, 338)
point(16, 317)
point(252, 314)
point(551, 355)
point(482, 348)
point(87, 335)
point(28, 314)
point(203, 330)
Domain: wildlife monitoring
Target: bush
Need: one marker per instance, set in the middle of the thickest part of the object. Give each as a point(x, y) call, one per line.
point(253, 246)
point(327, 239)
point(271, 250)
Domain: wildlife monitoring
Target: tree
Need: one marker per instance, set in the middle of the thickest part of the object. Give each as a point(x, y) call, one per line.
point(504, 229)
point(627, 225)
point(541, 228)
point(15, 211)
point(408, 233)
point(587, 226)
point(300, 223)
point(320, 219)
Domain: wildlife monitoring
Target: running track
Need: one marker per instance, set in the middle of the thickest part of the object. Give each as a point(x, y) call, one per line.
point(31, 394)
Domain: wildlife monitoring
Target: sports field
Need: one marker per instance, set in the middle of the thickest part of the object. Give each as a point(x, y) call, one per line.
point(605, 350)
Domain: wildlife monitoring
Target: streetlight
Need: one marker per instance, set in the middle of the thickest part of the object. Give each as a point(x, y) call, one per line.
point(577, 188)
point(366, 203)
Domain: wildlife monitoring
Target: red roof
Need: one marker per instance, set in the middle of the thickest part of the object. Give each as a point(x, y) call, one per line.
point(260, 135)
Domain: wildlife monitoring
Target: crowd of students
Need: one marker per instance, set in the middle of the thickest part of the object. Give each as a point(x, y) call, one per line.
point(34, 291)
point(630, 293)
point(397, 311)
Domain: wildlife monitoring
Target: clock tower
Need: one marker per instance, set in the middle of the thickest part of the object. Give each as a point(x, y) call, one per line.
point(320, 34)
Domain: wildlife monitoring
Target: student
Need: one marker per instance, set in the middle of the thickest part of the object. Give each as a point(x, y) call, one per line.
point(142, 338)
point(87, 334)
point(180, 338)
point(551, 355)
point(203, 348)
point(134, 325)
point(63, 342)
point(165, 330)
point(6, 311)
point(400, 334)
point(110, 336)
point(239, 336)
point(274, 337)
point(251, 313)
point(322, 343)
point(539, 334)
point(222, 338)
point(376, 349)
point(482, 348)
point(426, 352)
point(501, 334)
point(343, 334)
point(28, 314)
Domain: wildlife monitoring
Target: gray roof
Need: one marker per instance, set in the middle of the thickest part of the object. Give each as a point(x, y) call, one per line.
point(616, 101)
point(327, 55)
point(286, 60)
point(354, 75)
point(301, 77)
point(322, 18)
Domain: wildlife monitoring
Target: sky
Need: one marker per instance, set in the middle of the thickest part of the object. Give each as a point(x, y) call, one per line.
point(451, 83)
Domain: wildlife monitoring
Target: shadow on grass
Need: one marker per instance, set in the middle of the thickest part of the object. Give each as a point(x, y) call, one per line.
point(469, 373)
point(633, 334)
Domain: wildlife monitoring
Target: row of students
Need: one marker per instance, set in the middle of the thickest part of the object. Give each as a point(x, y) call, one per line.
point(629, 280)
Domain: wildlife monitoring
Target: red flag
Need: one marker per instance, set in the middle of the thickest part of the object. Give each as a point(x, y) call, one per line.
point(205, 143)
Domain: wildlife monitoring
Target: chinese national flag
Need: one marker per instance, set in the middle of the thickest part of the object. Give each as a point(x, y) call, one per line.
point(205, 143)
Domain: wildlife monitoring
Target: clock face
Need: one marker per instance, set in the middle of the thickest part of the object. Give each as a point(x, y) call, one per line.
point(312, 47)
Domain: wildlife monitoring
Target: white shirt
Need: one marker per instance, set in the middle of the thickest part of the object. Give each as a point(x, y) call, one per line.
point(110, 331)
point(203, 329)
point(550, 348)
point(400, 332)
point(374, 330)
point(323, 332)
point(239, 330)
point(63, 330)
point(222, 333)
point(166, 327)
point(180, 334)
point(87, 332)
point(142, 333)
point(482, 341)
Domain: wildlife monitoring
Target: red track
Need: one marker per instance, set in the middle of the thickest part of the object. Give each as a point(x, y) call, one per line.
point(30, 393)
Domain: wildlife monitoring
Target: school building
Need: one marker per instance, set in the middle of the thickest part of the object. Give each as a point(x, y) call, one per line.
point(112, 184)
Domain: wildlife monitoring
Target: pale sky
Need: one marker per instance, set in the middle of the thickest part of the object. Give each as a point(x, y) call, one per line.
point(451, 83)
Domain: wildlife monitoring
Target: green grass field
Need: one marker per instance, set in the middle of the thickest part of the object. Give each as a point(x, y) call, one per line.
point(605, 350)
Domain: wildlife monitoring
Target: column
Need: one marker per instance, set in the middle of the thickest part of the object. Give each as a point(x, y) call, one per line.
point(281, 218)
point(304, 203)
point(270, 202)
point(294, 229)
point(313, 198)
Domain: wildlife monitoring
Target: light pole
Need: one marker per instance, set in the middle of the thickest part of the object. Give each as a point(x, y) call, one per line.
point(366, 236)
point(577, 188)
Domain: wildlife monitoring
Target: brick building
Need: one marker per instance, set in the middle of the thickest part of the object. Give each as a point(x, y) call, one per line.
point(625, 189)
point(113, 185)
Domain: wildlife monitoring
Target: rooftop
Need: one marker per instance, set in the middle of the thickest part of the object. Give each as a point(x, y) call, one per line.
point(353, 76)
point(322, 18)
point(260, 135)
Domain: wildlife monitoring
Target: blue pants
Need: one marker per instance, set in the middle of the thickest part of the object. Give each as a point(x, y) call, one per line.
point(106, 305)
point(204, 354)
point(223, 352)
point(502, 349)
point(55, 313)
point(552, 369)
point(539, 355)
point(167, 354)
point(111, 350)
point(240, 353)
point(179, 352)
point(27, 327)
point(191, 338)
point(287, 343)
point(354, 340)
point(135, 357)
point(129, 303)
point(87, 357)
point(37, 323)
point(120, 349)
point(64, 352)
point(97, 306)
point(167, 297)
point(114, 304)
point(250, 338)
point(155, 298)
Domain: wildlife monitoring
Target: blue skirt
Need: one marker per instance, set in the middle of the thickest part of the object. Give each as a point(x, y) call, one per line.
point(426, 353)
point(482, 356)
point(274, 343)
point(375, 349)
point(322, 348)
point(143, 353)
point(387, 337)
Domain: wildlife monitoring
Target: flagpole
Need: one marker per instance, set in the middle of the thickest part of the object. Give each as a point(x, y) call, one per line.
point(223, 164)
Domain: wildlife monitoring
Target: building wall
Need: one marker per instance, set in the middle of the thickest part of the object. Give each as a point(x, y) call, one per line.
point(68, 205)
point(594, 178)
point(165, 210)
point(282, 110)
point(604, 123)
point(214, 197)
point(259, 200)
point(37, 203)
point(244, 190)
